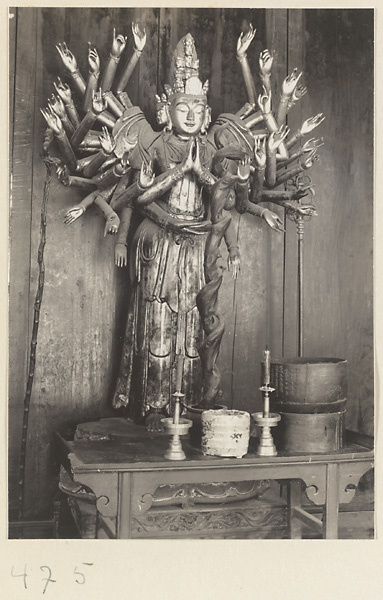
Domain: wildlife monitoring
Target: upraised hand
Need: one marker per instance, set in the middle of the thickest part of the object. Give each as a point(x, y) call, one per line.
point(67, 57)
point(53, 120)
point(243, 171)
point(264, 101)
point(276, 137)
point(244, 41)
point(298, 92)
point(265, 63)
point(93, 60)
point(99, 103)
point(146, 174)
point(290, 82)
point(118, 44)
point(260, 152)
point(139, 35)
point(56, 105)
point(63, 91)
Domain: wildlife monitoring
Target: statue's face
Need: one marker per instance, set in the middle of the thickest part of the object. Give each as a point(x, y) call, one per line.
point(187, 114)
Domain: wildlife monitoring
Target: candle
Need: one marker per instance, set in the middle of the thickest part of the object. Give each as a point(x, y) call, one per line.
point(179, 372)
point(266, 355)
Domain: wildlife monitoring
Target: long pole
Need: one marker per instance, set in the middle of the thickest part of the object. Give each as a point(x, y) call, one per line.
point(300, 232)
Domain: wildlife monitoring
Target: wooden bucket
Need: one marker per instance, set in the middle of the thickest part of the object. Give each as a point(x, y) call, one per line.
point(225, 432)
point(310, 433)
point(308, 385)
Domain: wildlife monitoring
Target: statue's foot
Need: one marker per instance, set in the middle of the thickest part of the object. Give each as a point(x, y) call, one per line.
point(153, 421)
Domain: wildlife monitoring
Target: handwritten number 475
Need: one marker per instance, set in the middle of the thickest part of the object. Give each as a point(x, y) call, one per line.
point(79, 576)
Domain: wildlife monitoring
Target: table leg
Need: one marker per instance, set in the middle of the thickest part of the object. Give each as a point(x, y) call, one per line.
point(123, 526)
point(294, 500)
point(331, 516)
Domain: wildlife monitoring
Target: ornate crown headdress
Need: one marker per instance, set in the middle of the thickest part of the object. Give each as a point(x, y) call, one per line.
point(184, 71)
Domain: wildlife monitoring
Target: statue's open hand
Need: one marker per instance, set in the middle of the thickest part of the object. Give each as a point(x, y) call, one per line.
point(63, 91)
point(67, 57)
point(260, 152)
point(244, 41)
point(306, 210)
point(146, 174)
point(107, 141)
point(120, 255)
point(264, 101)
point(298, 92)
point(57, 106)
point(273, 220)
point(98, 102)
point(118, 44)
point(53, 120)
point(265, 62)
point(311, 123)
point(310, 160)
point(93, 60)
point(243, 171)
point(112, 224)
point(139, 35)
point(312, 144)
point(276, 137)
point(290, 83)
point(234, 262)
point(74, 213)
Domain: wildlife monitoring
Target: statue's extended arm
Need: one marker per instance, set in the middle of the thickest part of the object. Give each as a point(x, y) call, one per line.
point(273, 142)
point(70, 63)
point(107, 147)
point(94, 73)
point(265, 64)
point(288, 86)
point(118, 46)
point(57, 106)
point(306, 127)
point(139, 44)
point(243, 44)
point(54, 122)
point(264, 103)
point(64, 92)
point(98, 106)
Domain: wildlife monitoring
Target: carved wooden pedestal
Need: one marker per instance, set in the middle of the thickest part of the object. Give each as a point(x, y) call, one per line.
point(128, 476)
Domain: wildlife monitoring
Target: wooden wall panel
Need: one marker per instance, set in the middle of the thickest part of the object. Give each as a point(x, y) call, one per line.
point(338, 247)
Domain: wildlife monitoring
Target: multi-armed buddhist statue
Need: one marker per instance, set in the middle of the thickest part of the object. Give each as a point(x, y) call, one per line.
point(184, 180)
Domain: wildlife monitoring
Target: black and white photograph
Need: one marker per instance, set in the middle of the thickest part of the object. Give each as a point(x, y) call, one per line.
point(191, 289)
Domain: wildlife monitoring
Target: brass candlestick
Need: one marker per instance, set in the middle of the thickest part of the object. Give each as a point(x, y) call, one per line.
point(265, 419)
point(175, 425)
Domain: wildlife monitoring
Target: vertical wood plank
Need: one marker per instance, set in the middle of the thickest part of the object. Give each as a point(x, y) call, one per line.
point(20, 223)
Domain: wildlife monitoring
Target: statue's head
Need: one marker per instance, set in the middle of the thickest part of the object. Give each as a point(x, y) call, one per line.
point(187, 111)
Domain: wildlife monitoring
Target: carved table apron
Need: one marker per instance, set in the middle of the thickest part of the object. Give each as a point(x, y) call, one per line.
point(124, 477)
